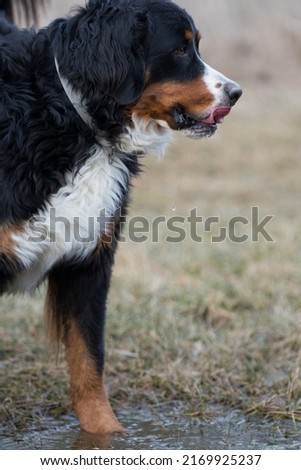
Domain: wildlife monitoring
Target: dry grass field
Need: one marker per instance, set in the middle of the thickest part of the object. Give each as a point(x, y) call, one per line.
point(206, 323)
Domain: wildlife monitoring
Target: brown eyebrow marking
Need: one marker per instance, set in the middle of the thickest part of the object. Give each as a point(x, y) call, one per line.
point(189, 35)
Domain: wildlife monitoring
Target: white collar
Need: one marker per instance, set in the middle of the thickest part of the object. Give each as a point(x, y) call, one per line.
point(74, 97)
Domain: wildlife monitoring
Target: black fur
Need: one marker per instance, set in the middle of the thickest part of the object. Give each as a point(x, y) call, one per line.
point(104, 59)
point(8, 269)
point(39, 128)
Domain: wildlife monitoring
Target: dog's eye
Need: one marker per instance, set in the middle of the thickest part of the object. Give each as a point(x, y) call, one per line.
point(182, 51)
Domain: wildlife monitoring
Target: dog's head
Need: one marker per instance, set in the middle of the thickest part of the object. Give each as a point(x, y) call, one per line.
point(139, 60)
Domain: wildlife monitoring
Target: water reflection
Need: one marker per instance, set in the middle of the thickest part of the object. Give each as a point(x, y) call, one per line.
point(167, 428)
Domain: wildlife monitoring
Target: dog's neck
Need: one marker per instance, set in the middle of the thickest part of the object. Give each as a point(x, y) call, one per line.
point(141, 138)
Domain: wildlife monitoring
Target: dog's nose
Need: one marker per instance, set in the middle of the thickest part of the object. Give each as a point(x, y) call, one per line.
point(233, 91)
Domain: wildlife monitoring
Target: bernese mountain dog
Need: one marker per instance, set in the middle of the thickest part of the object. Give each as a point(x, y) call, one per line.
point(80, 102)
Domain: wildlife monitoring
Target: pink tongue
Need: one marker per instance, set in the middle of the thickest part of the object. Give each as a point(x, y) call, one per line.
point(217, 116)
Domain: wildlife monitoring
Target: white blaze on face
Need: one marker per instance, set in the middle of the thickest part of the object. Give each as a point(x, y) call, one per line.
point(216, 82)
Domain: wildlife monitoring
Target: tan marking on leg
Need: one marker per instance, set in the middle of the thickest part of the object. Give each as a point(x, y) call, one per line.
point(87, 387)
point(106, 239)
point(7, 242)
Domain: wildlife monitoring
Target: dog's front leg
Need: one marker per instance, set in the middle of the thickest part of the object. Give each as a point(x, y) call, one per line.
point(76, 304)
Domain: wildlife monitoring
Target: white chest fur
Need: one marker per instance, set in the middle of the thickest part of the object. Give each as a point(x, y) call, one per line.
point(73, 219)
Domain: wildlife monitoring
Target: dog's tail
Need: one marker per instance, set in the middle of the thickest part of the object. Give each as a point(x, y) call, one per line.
point(14, 10)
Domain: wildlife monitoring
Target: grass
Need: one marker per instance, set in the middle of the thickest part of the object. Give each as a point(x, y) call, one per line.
point(205, 323)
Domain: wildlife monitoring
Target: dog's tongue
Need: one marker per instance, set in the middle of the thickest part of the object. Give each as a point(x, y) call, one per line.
point(217, 116)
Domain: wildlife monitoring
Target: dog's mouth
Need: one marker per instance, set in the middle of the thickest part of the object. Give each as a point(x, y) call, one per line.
point(204, 126)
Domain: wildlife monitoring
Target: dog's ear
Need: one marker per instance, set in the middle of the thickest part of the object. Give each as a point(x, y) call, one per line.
point(102, 52)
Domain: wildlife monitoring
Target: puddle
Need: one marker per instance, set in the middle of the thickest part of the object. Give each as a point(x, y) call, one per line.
point(155, 428)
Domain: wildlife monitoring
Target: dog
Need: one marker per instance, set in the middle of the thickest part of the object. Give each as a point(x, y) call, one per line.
point(80, 102)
